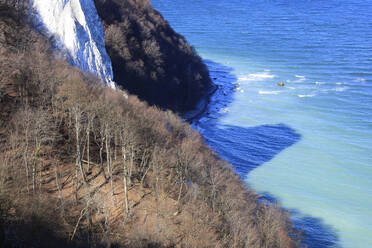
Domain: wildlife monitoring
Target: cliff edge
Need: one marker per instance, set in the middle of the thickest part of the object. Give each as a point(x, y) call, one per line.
point(149, 58)
point(77, 31)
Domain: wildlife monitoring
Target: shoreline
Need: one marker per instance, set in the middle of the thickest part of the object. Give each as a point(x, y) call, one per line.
point(202, 106)
point(219, 96)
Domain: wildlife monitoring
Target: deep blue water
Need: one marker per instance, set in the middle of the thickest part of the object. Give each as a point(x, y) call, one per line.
point(307, 144)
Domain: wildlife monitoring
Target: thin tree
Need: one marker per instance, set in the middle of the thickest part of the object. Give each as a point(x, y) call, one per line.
point(73, 97)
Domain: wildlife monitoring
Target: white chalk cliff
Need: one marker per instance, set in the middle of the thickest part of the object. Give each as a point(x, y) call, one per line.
point(78, 32)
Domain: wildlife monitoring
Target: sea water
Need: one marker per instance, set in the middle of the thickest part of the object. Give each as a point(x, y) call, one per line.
point(307, 144)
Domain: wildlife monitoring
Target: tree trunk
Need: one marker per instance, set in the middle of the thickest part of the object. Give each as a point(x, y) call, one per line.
point(180, 194)
point(25, 159)
point(34, 168)
point(78, 152)
point(131, 165)
point(88, 145)
point(59, 188)
point(115, 144)
point(76, 183)
point(101, 154)
point(108, 157)
point(125, 172)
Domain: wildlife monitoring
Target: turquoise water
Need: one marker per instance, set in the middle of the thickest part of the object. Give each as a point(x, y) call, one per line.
point(307, 144)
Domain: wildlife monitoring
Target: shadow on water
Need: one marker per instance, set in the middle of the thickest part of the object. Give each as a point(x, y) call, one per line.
point(315, 232)
point(249, 147)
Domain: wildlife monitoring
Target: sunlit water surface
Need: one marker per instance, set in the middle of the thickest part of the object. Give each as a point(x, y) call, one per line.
point(307, 144)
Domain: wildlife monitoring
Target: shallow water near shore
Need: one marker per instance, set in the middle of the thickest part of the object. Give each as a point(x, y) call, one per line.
point(307, 144)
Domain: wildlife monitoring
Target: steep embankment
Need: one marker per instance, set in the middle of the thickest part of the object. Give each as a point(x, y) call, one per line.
point(149, 58)
point(83, 166)
point(77, 32)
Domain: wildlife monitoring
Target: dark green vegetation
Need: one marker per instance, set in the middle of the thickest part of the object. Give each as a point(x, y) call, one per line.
point(149, 59)
point(81, 165)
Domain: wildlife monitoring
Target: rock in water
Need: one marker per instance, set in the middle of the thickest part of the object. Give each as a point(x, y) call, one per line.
point(78, 32)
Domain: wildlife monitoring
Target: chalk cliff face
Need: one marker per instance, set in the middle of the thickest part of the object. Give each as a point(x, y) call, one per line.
point(78, 31)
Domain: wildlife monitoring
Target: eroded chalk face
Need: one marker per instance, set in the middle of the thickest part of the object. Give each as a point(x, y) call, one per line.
point(78, 32)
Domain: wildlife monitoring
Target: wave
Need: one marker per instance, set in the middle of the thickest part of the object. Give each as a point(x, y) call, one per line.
point(361, 80)
point(256, 76)
point(262, 92)
point(299, 78)
point(340, 89)
point(319, 83)
point(239, 89)
point(309, 95)
point(337, 89)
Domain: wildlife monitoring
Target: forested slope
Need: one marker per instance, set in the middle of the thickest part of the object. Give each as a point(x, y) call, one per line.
point(82, 165)
point(149, 58)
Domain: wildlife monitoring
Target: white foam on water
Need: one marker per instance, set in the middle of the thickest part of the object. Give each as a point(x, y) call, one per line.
point(256, 76)
point(299, 78)
point(262, 92)
point(224, 110)
point(338, 83)
point(291, 88)
point(238, 89)
point(319, 83)
point(337, 89)
point(361, 80)
point(309, 95)
point(340, 89)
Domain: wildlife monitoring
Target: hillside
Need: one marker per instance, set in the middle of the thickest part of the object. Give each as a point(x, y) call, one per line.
point(149, 58)
point(82, 165)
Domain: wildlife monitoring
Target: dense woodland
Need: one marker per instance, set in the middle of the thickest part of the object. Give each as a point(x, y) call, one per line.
point(149, 58)
point(82, 165)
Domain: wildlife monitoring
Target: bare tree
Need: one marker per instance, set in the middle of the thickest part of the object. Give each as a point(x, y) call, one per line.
point(73, 98)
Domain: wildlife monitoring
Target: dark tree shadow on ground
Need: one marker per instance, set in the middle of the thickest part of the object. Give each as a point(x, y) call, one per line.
point(246, 148)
